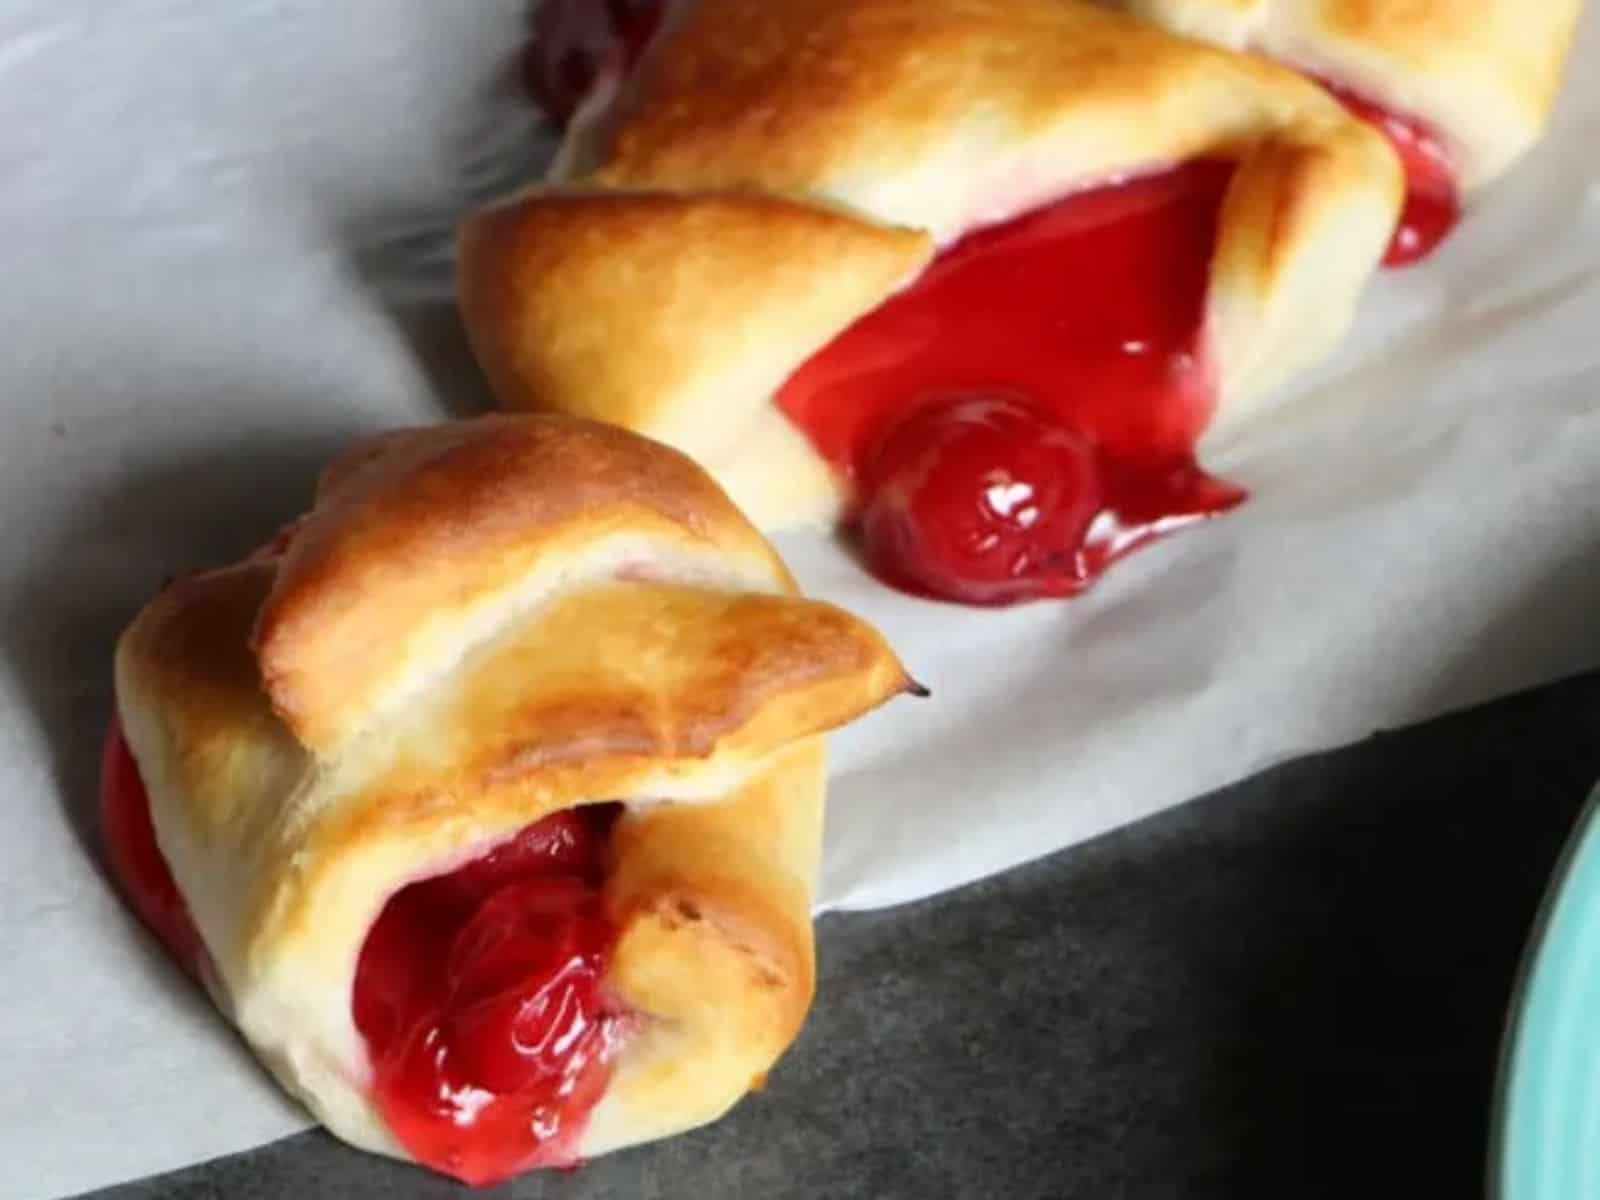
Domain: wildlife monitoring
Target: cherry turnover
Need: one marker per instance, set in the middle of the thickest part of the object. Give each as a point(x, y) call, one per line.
point(478, 992)
point(1026, 412)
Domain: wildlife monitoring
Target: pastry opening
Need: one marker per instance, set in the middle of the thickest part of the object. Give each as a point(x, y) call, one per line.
point(1026, 412)
point(479, 992)
point(480, 995)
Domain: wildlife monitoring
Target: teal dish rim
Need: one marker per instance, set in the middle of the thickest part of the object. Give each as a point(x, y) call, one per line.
point(1545, 1131)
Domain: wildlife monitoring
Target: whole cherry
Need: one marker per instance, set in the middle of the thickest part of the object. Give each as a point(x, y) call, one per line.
point(984, 498)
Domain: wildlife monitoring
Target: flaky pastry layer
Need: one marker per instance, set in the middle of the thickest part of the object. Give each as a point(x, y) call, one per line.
point(298, 777)
point(773, 171)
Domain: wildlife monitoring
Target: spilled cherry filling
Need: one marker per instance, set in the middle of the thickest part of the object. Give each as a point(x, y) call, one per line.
point(1026, 412)
point(478, 992)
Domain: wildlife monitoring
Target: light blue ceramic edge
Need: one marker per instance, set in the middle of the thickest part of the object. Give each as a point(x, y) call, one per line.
point(1546, 1123)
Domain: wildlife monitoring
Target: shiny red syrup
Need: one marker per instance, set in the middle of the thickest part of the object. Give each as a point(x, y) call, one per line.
point(1433, 202)
point(578, 41)
point(1026, 412)
point(479, 995)
point(129, 842)
point(478, 992)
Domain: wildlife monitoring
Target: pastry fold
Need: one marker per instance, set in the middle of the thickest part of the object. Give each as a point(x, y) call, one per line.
point(1483, 73)
point(477, 626)
point(771, 172)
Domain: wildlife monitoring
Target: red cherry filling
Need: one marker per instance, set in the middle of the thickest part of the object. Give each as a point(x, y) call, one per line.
point(991, 500)
point(525, 985)
point(577, 41)
point(478, 992)
point(1433, 204)
point(1063, 353)
point(129, 841)
point(984, 499)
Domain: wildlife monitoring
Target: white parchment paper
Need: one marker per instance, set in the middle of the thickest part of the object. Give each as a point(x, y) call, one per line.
point(224, 255)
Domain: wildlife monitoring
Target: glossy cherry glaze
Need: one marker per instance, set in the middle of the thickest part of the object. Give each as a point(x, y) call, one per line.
point(1072, 335)
point(128, 839)
point(478, 992)
point(479, 995)
point(577, 41)
point(1433, 203)
point(988, 499)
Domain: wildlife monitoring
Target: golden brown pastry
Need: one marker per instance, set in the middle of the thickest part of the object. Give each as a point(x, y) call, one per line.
point(491, 794)
point(772, 179)
point(1483, 74)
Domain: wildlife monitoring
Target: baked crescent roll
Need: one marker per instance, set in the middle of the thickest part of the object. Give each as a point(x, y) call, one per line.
point(1483, 74)
point(516, 733)
point(770, 174)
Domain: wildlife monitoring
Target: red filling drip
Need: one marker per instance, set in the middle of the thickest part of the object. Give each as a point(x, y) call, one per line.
point(478, 992)
point(129, 840)
point(1433, 203)
point(576, 41)
point(1026, 412)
